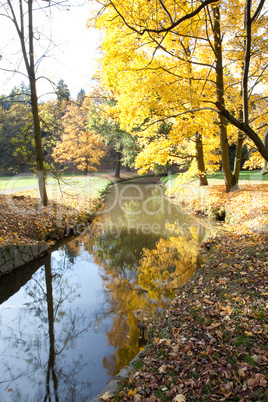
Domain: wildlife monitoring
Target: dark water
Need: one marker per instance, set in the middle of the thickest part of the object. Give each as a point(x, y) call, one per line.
point(68, 321)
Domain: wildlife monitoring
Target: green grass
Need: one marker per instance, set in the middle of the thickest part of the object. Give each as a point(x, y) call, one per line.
point(20, 180)
point(67, 181)
point(89, 183)
point(247, 175)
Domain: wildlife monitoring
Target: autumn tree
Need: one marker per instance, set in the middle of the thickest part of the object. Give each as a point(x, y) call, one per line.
point(79, 145)
point(253, 40)
point(157, 97)
point(165, 28)
point(104, 122)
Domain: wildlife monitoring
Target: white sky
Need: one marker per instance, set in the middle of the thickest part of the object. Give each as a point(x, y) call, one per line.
point(73, 60)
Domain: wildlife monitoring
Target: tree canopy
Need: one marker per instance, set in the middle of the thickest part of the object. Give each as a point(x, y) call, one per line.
point(187, 66)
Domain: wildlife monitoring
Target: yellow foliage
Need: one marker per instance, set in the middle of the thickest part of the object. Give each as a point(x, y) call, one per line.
point(78, 145)
point(170, 78)
point(255, 161)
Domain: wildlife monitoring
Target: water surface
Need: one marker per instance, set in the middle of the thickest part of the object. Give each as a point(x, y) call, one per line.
point(69, 321)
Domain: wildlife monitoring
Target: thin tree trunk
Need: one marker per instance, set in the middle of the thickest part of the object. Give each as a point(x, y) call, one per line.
point(228, 176)
point(200, 160)
point(118, 164)
point(239, 148)
point(246, 61)
point(28, 58)
point(86, 169)
point(38, 145)
point(35, 112)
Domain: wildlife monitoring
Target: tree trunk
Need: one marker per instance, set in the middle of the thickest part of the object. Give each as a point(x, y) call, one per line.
point(86, 169)
point(243, 125)
point(228, 176)
point(118, 164)
point(200, 160)
point(239, 147)
point(265, 142)
point(35, 112)
point(246, 60)
point(38, 143)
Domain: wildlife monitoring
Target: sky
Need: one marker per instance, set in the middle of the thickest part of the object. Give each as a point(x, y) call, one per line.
point(73, 58)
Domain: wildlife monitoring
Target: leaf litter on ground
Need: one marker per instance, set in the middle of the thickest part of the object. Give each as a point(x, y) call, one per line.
point(23, 220)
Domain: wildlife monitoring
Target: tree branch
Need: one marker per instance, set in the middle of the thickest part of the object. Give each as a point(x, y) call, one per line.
point(259, 8)
point(246, 129)
point(142, 31)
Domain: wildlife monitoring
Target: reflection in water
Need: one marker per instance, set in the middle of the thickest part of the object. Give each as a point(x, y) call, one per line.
point(73, 325)
point(35, 340)
point(147, 249)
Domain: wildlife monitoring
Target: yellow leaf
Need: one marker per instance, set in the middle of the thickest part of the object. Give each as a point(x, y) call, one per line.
point(132, 392)
point(248, 333)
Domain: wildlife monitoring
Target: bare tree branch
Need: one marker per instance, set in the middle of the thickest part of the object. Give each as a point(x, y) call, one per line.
point(173, 25)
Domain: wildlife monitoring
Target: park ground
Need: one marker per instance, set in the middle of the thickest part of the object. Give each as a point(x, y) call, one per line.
point(211, 343)
point(73, 203)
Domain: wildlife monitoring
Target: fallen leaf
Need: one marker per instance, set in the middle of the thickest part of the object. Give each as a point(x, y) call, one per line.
point(106, 396)
point(132, 392)
point(214, 325)
point(179, 398)
point(162, 369)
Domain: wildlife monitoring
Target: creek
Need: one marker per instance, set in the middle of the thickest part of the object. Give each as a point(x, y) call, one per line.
point(69, 320)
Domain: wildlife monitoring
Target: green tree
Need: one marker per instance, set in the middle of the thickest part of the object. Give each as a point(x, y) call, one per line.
point(62, 92)
point(104, 122)
point(81, 96)
point(17, 151)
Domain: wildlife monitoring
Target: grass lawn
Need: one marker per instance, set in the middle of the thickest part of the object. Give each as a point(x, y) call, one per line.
point(247, 175)
point(20, 180)
point(29, 179)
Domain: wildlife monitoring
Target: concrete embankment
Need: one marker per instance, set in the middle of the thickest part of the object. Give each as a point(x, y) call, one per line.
point(12, 257)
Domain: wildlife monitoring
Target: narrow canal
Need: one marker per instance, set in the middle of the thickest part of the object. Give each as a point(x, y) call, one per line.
point(69, 321)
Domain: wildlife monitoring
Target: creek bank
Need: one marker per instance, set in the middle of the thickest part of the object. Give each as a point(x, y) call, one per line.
point(12, 257)
point(211, 343)
point(28, 230)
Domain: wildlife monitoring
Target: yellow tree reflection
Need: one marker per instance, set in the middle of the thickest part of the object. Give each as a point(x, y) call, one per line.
point(173, 261)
